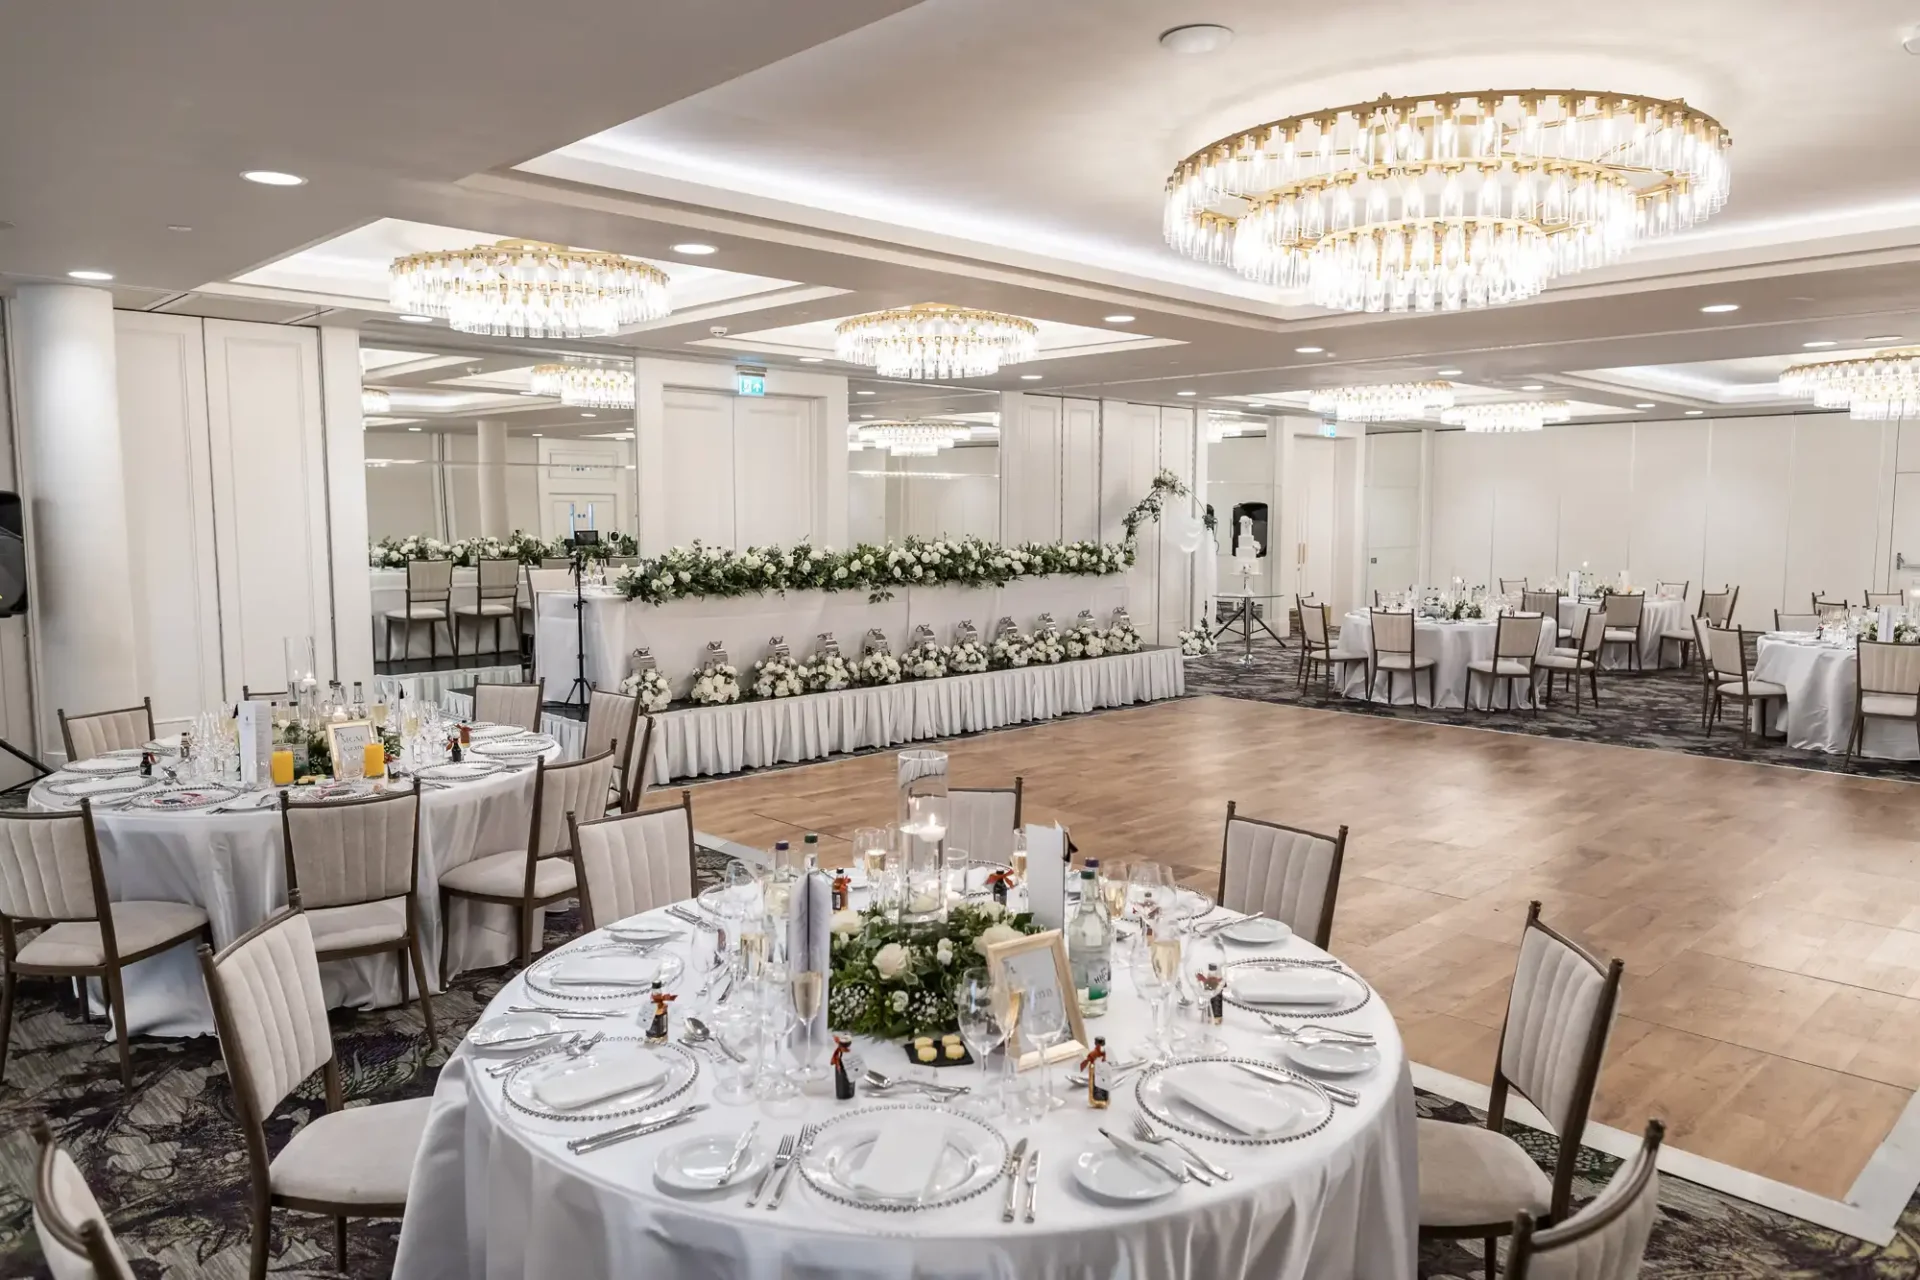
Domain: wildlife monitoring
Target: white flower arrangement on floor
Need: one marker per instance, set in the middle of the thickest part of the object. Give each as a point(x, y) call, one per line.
point(715, 684)
point(1086, 641)
point(826, 672)
point(651, 686)
point(1122, 638)
point(1200, 641)
point(777, 677)
point(1010, 649)
point(967, 658)
point(1047, 648)
point(925, 661)
point(876, 667)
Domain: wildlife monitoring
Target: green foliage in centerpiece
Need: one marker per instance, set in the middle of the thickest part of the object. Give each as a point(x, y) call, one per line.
point(892, 980)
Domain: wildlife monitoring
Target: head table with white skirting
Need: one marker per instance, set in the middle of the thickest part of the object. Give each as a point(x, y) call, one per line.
point(497, 1192)
point(1452, 645)
point(229, 859)
point(1658, 616)
point(1820, 679)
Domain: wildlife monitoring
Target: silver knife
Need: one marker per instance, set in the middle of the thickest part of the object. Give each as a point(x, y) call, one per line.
point(1033, 1180)
point(1012, 1170)
point(1178, 1173)
point(638, 1129)
point(1345, 1096)
point(739, 1153)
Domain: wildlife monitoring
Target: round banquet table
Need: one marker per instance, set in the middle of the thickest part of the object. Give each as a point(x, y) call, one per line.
point(496, 1193)
point(1819, 680)
point(1451, 644)
point(1657, 617)
point(233, 866)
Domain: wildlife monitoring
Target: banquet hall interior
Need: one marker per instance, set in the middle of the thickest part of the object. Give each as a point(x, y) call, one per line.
point(945, 637)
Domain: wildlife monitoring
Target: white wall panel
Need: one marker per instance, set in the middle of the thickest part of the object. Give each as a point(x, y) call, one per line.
point(774, 451)
point(1667, 522)
point(1176, 602)
point(1129, 455)
point(697, 453)
point(1462, 520)
point(1749, 482)
point(1079, 470)
point(1393, 510)
point(1526, 509)
point(1030, 468)
point(1594, 485)
point(1833, 512)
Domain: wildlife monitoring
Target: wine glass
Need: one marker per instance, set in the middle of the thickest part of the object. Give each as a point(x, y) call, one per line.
point(1156, 975)
point(772, 1085)
point(980, 1005)
point(737, 1028)
point(1044, 1019)
point(1206, 963)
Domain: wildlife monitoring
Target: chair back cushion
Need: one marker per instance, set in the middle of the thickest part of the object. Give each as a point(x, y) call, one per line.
point(429, 578)
point(1545, 603)
point(62, 1197)
point(45, 873)
point(609, 720)
point(508, 704)
point(276, 1033)
point(1519, 637)
point(1282, 872)
point(1624, 609)
point(578, 787)
point(499, 579)
point(1313, 624)
point(1727, 653)
point(1886, 667)
point(1551, 1024)
point(1590, 630)
point(1392, 631)
point(637, 861)
point(1607, 1238)
point(1796, 621)
point(1718, 606)
point(104, 731)
point(350, 851)
point(981, 823)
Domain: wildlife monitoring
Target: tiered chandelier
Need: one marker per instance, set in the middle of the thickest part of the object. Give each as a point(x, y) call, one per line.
point(917, 438)
point(1513, 415)
point(1387, 402)
point(1883, 387)
point(935, 341)
point(529, 289)
point(1447, 202)
point(585, 386)
point(374, 401)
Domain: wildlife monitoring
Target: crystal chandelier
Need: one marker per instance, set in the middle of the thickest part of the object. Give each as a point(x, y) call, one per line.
point(909, 439)
point(1388, 402)
point(1512, 415)
point(1883, 387)
point(585, 386)
point(374, 401)
point(1447, 202)
point(935, 341)
point(529, 289)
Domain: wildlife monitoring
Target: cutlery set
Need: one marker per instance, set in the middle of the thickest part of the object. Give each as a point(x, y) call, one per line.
point(640, 1129)
point(1016, 1180)
point(780, 1172)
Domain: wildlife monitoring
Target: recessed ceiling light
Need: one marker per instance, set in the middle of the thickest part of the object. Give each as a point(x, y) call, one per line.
point(1644, 404)
point(529, 393)
point(863, 393)
point(274, 178)
point(536, 435)
point(811, 359)
point(1186, 393)
point(91, 275)
point(1885, 337)
point(1823, 342)
point(1449, 373)
point(865, 417)
point(178, 226)
point(1118, 319)
point(1533, 386)
point(1196, 37)
point(589, 415)
point(415, 428)
point(417, 319)
point(1719, 308)
point(695, 249)
point(1309, 351)
point(1695, 413)
point(1029, 377)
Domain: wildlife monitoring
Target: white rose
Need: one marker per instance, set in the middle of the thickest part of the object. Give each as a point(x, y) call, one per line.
point(944, 951)
point(845, 920)
point(899, 1002)
point(990, 908)
point(840, 573)
point(890, 960)
point(916, 571)
point(994, 934)
point(806, 566)
point(685, 576)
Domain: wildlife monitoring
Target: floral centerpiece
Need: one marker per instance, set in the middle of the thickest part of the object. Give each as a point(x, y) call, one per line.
point(1200, 641)
point(876, 666)
point(1010, 649)
point(826, 671)
point(1462, 610)
point(925, 661)
point(715, 683)
point(1086, 640)
point(1046, 646)
point(1903, 632)
point(777, 676)
point(968, 657)
point(893, 980)
point(1122, 638)
point(651, 686)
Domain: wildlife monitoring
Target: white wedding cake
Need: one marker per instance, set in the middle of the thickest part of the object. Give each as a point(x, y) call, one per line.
point(1246, 550)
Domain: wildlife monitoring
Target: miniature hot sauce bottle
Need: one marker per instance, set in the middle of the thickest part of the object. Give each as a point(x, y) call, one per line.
point(842, 1082)
point(1095, 1065)
point(998, 883)
point(1216, 985)
point(466, 735)
point(453, 748)
point(657, 1029)
point(842, 889)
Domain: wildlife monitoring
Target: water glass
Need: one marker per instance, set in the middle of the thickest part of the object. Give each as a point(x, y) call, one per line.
point(981, 1006)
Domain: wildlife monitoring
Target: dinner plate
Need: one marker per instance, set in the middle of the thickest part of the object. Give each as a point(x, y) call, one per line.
point(181, 799)
point(517, 747)
point(514, 1032)
point(694, 1167)
point(569, 974)
point(99, 787)
point(168, 746)
point(678, 1070)
point(971, 1153)
point(1112, 1175)
point(457, 770)
point(1346, 991)
point(1333, 1057)
point(487, 731)
point(1263, 932)
point(1289, 1105)
point(644, 935)
point(102, 765)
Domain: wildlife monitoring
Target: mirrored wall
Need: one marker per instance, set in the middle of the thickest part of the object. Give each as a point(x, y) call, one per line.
point(924, 477)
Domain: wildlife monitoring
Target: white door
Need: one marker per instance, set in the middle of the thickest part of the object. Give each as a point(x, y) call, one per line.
point(1313, 505)
point(1904, 555)
point(773, 468)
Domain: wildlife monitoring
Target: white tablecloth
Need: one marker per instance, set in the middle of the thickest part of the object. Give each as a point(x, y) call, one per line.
point(1820, 681)
point(496, 1196)
point(1656, 617)
point(233, 865)
point(1452, 645)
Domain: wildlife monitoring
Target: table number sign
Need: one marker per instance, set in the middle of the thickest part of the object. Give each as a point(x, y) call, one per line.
point(255, 722)
point(1047, 875)
point(1037, 965)
point(348, 740)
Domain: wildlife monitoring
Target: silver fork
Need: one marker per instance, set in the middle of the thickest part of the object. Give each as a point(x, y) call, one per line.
point(1317, 1031)
point(782, 1155)
point(1147, 1133)
point(497, 1071)
point(807, 1134)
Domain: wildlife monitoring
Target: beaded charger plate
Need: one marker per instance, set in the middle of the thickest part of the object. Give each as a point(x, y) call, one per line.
point(971, 1158)
point(570, 974)
point(1350, 990)
point(678, 1069)
point(181, 799)
point(1295, 1106)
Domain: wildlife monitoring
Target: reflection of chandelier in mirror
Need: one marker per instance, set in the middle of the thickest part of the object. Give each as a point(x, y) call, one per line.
point(585, 386)
point(374, 400)
point(1515, 415)
point(529, 289)
point(1449, 201)
point(908, 439)
point(1883, 387)
point(935, 341)
point(1386, 402)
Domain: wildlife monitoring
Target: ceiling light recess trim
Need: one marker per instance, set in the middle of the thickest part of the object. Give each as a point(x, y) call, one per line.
point(585, 386)
point(1445, 202)
point(1510, 415)
point(932, 340)
point(530, 289)
point(1882, 387)
point(1384, 402)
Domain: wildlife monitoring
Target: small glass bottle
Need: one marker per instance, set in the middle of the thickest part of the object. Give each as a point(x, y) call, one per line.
point(359, 702)
point(1098, 1081)
point(810, 852)
point(1090, 947)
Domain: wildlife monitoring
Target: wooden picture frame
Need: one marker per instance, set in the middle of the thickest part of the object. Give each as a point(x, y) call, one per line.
point(347, 741)
point(1040, 961)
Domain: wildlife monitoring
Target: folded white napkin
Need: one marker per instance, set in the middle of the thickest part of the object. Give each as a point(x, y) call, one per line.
point(1288, 986)
point(591, 971)
point(597, 1082)
point(901, 1162)
point(1232, 1099)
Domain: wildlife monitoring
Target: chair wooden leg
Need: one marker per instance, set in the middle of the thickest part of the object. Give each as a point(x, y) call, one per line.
point(453, 629)
point(1493, 1254)
point(446, 934)
point(426, 1001)
point(262, 1235)
point(117, 1001)
point(526, 934)
point(339, 1244)
point(7, 987)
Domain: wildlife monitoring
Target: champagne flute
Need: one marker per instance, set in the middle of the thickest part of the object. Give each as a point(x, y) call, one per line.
point(1206, 959)
point(807, 986)
point(1113, 884)
point(1156, 974)
point(980, 1007)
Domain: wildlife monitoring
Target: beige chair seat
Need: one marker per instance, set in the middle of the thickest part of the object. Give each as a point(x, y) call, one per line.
point(359, 924)
point(504, 875)
point(1755, 689)
point(1470, 1175)
point(1401, 662)
point(1620, 635)
point(1889, 704)
point(1564, 660)
point(77, 944)
point(360, 1155)
point(487, 609)
point(419, 611)
point(1502, 667)
point(1687, 636)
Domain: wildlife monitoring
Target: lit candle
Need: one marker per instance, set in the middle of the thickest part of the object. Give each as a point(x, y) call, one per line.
point(282, 767)
point(374, 758)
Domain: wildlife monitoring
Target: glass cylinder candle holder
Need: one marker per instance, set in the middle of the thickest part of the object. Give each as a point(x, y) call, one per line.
point(924, 815)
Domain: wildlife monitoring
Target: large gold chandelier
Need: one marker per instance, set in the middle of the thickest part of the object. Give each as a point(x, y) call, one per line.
point(529, 289)
point(935, 341)
point(1509, 415)
point(1386, 402)
point(1883, 387)
point(585, 386)
point(1450, 201)
point(914, 438)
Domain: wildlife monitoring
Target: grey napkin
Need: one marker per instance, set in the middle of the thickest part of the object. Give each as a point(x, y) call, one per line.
point(810, 937)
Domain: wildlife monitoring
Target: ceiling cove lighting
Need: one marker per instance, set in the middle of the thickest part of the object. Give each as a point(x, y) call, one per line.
point(1308, 351)
point(274, 178)
point(585, 386)
point(1719, 308)
point(1119, 319)
point(530, 289)
point(1822, 342)
point(931, 340)
point(1515, 415)
point(695, 250)
point(1644, 404)
point(1883, 387)
point(1387, 402)
point(1449, 201)
point(90, 275)
point(914, 438)
point(375, 401)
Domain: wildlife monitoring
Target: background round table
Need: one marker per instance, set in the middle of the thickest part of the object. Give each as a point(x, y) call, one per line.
point(498, 1195)
point(1657, 617)
point(1819, 680)
point(1451, 644)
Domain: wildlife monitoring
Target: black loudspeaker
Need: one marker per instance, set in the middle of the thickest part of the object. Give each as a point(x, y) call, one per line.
point(13, 556)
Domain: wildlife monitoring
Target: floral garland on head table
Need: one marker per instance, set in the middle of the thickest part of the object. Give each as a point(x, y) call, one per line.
point(393, 553)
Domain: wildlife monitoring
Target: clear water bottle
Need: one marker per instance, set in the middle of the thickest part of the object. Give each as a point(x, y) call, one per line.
point(1090, 947)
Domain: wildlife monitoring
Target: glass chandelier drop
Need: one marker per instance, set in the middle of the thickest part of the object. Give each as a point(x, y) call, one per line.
point(1513, 415)
point(1447, 202)
point(918, 438)
point(1388, 402)
point(529, 289)
point(374, 401)
point(935, 341)
point(585, 386)
point(1883, 387)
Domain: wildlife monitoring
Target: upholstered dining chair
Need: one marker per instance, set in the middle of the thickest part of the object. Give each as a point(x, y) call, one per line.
point(272, 1021)
point(1823, 605)
point(1717, 606)
point(498, 589)
point(1316, 646)
point(1725, 650)
point(250, 694)
point(1607, 1238)
point(557, 562)
point(50, 880)
point(1393, 653)
point(1547, 605)
point(982, 820)
point(515, 704)
point(1290, 873)
point(610, 719)
point(634, 862)
point(1475, 1181)
point(1626, 611)
point(357, 866)
point(429, 600)
point(1582, 659)
point(1516, 650)
point(1886, 686)
point(640, 767)
point(542, 873)
point(1796, 621)
point(98, 732)
point(1512, 584)
point(74, 1236)
point(1886, 599)
point(1672, 590)
point(539, 582)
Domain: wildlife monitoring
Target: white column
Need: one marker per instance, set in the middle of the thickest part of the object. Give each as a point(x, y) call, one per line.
point(494, 520)
point(81, 615)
